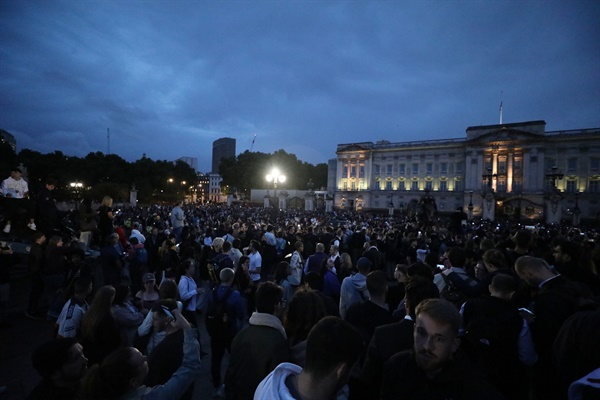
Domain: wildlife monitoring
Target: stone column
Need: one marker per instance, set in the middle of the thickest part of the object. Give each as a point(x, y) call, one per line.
point(494, 170)
point(309, 201)
point(489, 207)
point(283, 195)
point(133, 197)
point(553, 209)
point(509, 172)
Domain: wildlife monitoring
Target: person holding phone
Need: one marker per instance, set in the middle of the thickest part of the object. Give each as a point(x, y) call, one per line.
point(125, 373)
point(163, 344)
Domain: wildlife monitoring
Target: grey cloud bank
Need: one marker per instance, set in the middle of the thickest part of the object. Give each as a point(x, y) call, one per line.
point(169, 77)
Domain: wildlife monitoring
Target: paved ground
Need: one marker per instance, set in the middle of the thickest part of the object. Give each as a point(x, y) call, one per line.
point(18, 341)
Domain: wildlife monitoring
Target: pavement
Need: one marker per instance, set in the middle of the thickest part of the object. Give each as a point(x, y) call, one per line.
point(22, 335)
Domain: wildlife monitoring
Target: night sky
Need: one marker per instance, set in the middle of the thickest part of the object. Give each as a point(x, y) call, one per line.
point(170, 77)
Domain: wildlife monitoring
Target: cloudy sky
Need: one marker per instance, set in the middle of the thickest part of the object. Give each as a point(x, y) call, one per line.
point(169, 77)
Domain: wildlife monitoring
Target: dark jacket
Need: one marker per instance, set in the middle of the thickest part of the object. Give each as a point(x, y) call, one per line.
point(255, 352)
point(366, 316)
point(386, 341)
point(403, 379)
point(315, 262)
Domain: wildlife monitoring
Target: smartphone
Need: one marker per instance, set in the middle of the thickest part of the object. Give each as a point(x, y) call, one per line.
point(168, 312)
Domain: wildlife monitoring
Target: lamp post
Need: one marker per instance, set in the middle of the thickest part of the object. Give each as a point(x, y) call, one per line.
point(276, 177)
point(470, 206)
point(553, 175)
point(76, 188)
point(576, 211)
point(489, 176)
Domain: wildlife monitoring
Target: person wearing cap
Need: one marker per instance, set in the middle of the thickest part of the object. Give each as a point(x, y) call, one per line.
point(16, 192)
point(354, 287)
point(147, 297)
point(61, 364)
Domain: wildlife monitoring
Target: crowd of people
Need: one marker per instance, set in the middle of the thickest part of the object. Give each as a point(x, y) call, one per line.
point(315, 305)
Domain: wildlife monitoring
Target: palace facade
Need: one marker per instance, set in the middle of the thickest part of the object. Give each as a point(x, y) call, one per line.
point(515, 170)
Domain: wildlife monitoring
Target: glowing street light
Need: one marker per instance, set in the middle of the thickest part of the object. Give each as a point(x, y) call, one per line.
point(276, 177)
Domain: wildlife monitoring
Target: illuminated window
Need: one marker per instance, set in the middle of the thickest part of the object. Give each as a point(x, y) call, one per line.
point(402, 169)
point(353, 171)
point(361, 171)
point(428, 185)
point(388, 185)
point(414, 185)
point(443, 186)
point(571, 186)
point(594, 186)
point(415, 169)
point(429, 168)
point(401, 185)
point(389, 169)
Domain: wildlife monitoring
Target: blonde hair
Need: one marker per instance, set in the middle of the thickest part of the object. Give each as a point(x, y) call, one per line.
point(217, 243)
point(107, 201)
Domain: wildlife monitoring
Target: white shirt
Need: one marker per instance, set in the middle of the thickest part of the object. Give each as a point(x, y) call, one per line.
point(255, 262)
point(187, 290)
point(16, 189)
point(69, 320)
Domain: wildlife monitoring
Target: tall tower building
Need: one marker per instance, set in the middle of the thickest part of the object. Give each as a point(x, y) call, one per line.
point(222, 148)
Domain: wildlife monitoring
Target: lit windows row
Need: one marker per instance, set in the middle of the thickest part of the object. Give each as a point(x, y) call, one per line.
point(416, 168)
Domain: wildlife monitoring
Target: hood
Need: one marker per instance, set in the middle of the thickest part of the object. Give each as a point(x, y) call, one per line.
point(273, 386)
point(359, 282)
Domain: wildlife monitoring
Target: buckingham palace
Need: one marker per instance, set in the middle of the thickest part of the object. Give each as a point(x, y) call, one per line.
point(505, 171)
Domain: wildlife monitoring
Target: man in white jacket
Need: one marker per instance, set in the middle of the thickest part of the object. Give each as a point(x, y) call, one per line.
point(332, 348)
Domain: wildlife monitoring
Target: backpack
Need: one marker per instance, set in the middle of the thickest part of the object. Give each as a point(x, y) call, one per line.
point(142, 256)
point(218, 322)
point(217, 264)
point(452, 294)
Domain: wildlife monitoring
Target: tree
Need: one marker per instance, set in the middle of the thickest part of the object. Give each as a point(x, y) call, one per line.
point(249, 170)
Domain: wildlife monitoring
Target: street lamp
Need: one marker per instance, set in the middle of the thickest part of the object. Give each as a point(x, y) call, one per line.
point(470, 207)
point(554, 175)
point(276, 177)
point(76, 188)
point(489, 176)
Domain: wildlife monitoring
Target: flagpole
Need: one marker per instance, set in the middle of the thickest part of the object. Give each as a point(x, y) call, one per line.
point(501, 96)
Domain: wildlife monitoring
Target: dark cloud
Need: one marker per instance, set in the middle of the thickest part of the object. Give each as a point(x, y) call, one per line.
point(169, 77)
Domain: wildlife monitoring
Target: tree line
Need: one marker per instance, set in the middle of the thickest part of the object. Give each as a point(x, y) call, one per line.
point(155, 180)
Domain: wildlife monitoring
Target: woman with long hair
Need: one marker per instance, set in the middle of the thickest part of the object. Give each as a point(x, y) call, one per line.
point(127, 315)
point(148, 296)
point(305, 309)
point(105, 217)
point(122, 373)
point(243, 284)
point(282, 273)
point(346, 268)
point(100, 332)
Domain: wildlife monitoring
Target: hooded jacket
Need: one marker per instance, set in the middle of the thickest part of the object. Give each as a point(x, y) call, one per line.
point(273, 386)
point(353, 290)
